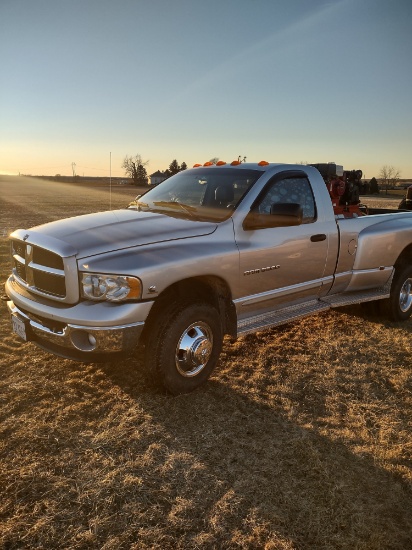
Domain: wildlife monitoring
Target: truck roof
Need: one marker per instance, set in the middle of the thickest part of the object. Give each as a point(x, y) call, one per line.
point(262, 165)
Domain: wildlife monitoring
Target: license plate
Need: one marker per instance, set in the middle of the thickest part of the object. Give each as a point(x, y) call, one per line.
point(19, 327)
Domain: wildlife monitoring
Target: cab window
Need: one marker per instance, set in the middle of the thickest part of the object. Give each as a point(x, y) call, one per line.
point(290, 190)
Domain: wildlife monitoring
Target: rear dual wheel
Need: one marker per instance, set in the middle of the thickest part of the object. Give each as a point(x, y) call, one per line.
point(398, 307)
point(183, 346)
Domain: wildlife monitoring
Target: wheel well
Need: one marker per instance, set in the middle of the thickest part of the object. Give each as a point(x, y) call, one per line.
point(405, 258)
point(207, 289)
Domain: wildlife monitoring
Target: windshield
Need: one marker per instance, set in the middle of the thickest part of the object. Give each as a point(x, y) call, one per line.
point(207, 194)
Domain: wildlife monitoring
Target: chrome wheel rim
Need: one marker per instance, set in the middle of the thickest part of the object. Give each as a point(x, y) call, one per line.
point(405, 296)
point(194, 349)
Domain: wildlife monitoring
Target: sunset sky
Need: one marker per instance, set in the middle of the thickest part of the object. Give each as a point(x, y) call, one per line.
point(280, 80)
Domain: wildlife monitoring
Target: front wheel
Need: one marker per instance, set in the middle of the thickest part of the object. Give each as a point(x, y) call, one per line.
point(183, 347)
point(398, 306)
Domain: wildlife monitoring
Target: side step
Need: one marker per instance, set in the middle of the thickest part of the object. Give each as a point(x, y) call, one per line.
point(280, 316)
point(350, 298)
point(292, 313)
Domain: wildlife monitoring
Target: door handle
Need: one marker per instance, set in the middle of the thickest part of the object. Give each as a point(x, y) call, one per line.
point(317, 238)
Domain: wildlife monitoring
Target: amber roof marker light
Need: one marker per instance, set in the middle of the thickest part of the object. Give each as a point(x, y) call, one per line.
point(233, 163)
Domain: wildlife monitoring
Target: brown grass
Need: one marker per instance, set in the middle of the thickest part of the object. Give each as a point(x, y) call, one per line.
point(301, 439)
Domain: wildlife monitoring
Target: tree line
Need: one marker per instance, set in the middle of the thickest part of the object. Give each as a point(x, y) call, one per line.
point(135, 168)
point(389, 176)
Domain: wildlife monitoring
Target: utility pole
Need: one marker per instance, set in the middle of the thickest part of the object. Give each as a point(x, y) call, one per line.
point(74, 169)
point(110, 184)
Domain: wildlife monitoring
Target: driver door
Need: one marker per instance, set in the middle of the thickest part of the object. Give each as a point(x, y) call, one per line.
point(280, 265)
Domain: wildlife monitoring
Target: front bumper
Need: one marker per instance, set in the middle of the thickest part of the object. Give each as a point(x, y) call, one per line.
point(79, 342)
point(87, 331)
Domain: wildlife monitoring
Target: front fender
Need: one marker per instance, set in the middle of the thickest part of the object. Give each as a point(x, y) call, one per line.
point(160, 265)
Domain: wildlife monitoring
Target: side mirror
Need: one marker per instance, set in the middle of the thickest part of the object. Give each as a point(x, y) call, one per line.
point(282, 214)
point(133, 205)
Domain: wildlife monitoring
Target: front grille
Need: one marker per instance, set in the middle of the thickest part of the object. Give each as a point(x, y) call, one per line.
point(49, 283)
point(47, 258)
point(20, 249)
point(39, 268)
point(21, 270)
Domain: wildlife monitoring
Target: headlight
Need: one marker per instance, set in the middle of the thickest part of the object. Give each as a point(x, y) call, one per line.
point(113, 288)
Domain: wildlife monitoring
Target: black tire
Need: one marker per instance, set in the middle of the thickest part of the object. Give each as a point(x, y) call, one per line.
point(183, 346)
point(399, 306)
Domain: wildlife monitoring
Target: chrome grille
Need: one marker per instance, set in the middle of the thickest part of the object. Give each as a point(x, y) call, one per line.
point(49, 283)
point(39, 269)
point(20, 249)
point(20, 269)
point(47, 258)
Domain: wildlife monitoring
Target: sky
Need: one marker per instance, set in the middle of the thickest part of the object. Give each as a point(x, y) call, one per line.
point(90, 81)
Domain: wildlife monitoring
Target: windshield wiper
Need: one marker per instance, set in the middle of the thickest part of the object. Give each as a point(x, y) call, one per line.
point(191, 210)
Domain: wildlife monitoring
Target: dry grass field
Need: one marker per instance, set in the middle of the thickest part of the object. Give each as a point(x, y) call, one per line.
point(300, 440)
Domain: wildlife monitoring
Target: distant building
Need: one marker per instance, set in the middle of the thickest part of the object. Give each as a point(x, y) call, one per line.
point(157, 177)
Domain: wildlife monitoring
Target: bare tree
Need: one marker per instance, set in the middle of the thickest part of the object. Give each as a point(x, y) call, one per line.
point(389, 176)
point(214, 160)
point(134, 167)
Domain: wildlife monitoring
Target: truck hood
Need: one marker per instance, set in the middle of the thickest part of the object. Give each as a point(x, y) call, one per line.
point(114, 230)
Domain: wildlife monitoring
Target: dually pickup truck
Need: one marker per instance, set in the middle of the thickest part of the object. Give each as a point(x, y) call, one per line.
point(214, 250)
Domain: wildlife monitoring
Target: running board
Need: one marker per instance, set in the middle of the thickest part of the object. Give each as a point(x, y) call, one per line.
point(350, 298)
point(280, 316)
point(293, 313)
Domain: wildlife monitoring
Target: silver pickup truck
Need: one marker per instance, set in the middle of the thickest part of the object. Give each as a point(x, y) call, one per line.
point(223, 249)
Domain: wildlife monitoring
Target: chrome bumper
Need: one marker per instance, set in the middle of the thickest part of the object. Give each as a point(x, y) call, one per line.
point(79, 342)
